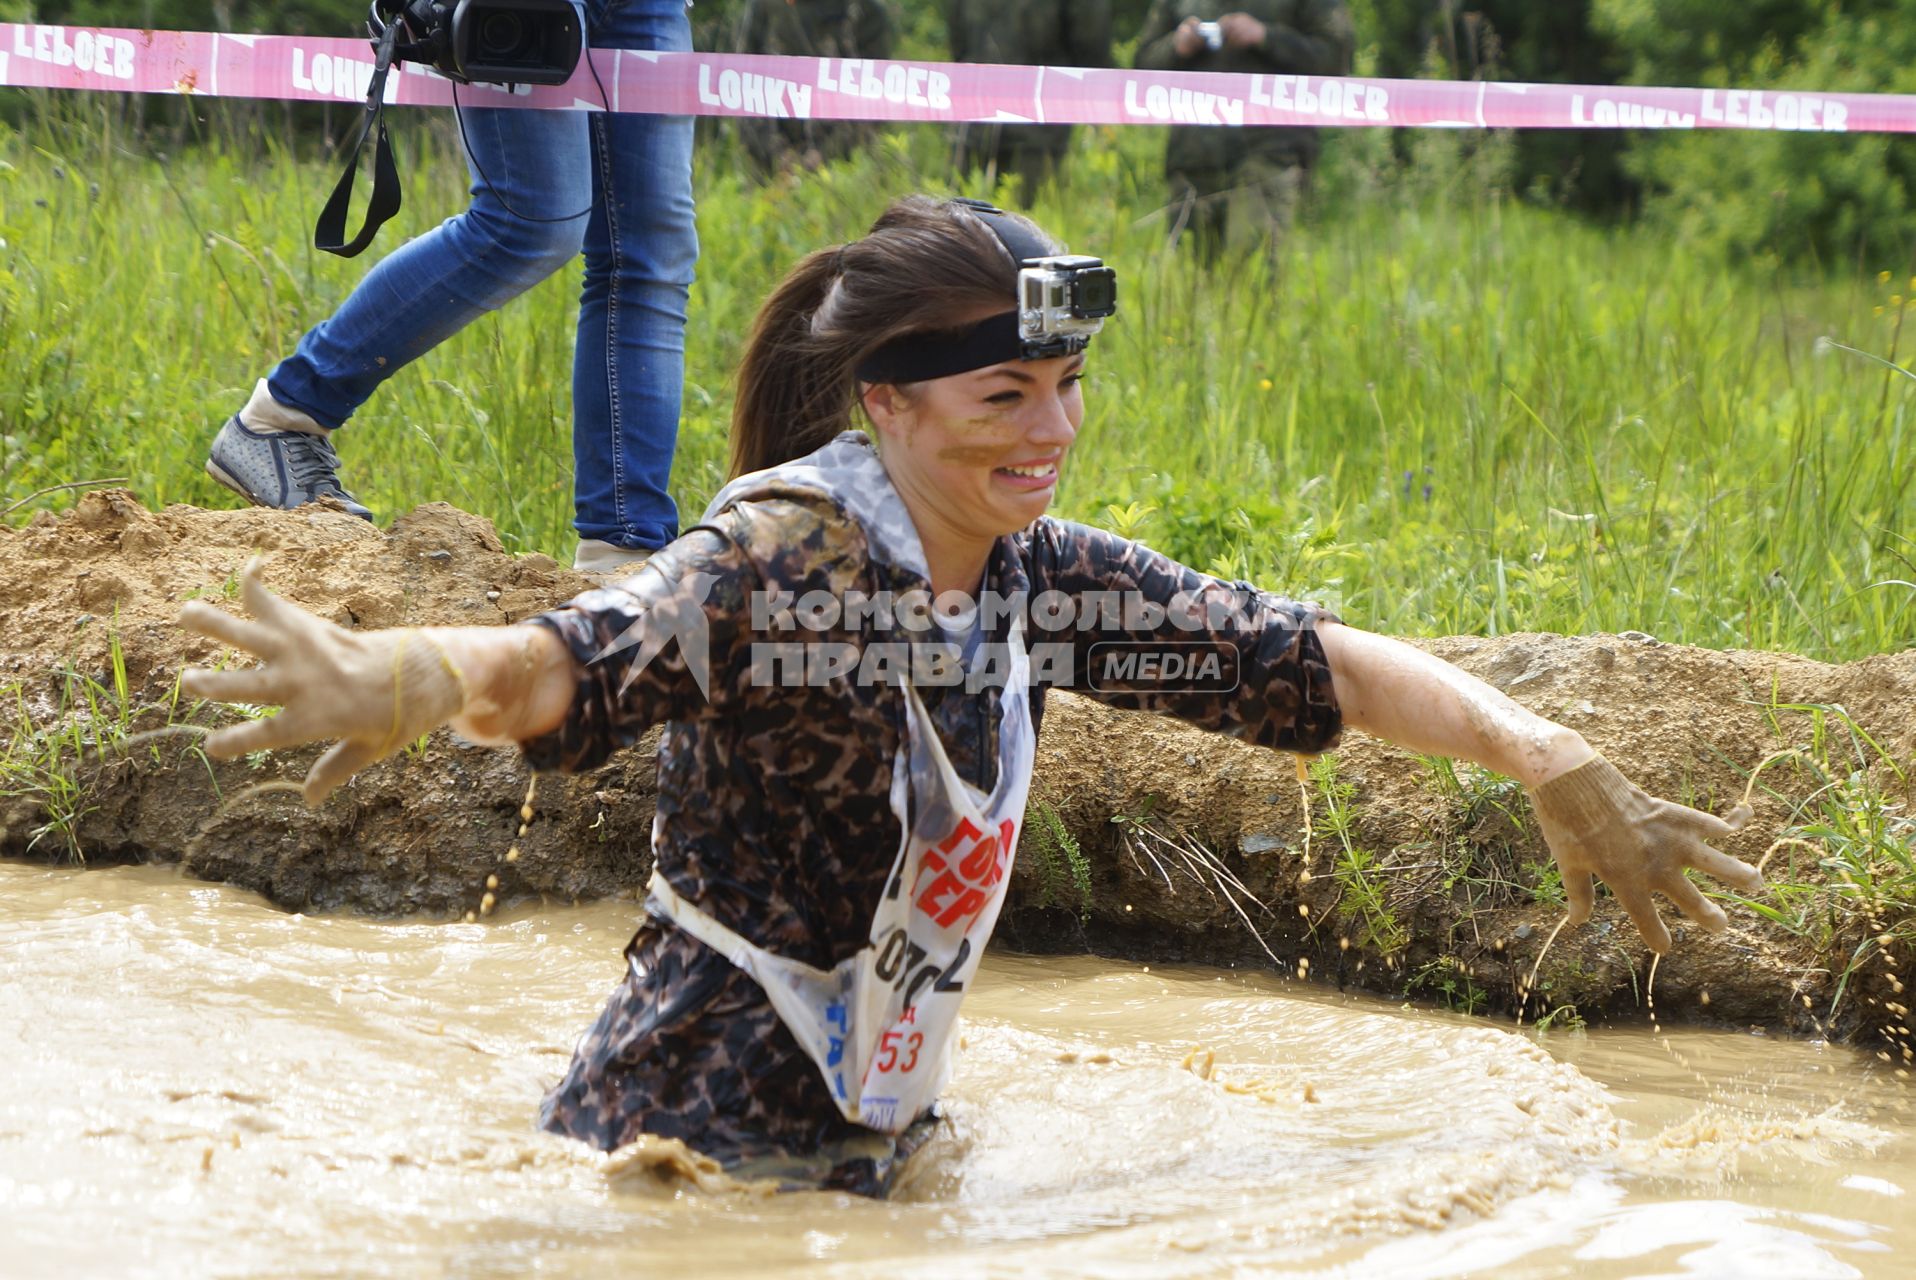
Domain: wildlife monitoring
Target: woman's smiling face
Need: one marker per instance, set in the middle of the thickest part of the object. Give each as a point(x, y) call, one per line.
point(978, 454)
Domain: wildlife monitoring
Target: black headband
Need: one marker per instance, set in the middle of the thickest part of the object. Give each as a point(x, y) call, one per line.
point(922, 356)
point(1017, 238)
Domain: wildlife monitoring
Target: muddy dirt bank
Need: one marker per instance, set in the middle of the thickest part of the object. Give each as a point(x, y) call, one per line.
point(1164, 842)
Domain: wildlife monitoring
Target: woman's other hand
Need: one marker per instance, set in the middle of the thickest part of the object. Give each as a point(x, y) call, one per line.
point(1186, 41)
point(373, 691)
point(1241, 30)
point(1598, 823)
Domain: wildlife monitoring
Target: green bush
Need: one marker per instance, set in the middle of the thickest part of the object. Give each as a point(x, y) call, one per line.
point(1824, 197)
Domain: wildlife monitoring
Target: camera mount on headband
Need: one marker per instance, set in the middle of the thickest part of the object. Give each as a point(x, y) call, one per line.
point(1063, 299)
point(468, 42)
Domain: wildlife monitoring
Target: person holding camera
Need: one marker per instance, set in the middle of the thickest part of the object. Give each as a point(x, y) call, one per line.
point(850, 655)
point(544, 185)
point(1240, 188)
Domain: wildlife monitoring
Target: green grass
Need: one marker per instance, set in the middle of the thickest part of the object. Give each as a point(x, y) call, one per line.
point(1448, 981)
point(1064, 872)
point(1363, 904)
point(1843, 872)
point(1448, 412)
point(54, 752)
point(43, 761)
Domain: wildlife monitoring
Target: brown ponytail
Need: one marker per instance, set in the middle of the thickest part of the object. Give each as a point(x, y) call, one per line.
point(927, 265)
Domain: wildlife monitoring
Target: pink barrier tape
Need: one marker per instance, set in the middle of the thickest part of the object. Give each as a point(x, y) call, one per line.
point(708, 84)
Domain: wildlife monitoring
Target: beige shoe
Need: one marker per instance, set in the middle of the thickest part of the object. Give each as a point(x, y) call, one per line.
point(605, 563)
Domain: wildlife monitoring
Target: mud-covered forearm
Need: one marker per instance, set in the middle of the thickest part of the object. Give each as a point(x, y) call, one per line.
point(1399, 693)
point(519, 681)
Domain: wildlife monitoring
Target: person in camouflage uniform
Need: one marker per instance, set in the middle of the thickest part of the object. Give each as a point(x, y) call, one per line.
point(777, 812)
point(811, 29)
point(796, 859)
point(1240, 187)
point(1059, 33)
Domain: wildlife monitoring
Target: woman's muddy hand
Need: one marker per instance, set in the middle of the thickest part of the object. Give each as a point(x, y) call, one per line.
point(371, 691)
point(1598, 823)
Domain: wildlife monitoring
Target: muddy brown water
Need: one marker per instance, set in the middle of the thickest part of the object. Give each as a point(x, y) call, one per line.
point(199, 1084)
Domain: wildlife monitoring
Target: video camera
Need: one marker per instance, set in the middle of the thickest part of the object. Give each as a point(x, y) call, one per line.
point(484, 41)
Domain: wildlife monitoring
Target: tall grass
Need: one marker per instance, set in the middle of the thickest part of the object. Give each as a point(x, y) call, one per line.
point(1445, 410)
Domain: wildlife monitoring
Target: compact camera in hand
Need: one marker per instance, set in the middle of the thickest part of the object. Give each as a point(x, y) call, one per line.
point(1212, 34)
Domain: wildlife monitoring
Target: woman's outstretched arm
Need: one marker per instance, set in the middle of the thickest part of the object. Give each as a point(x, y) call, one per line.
point(574, 685)
point(1394, 691)
point(1596, 821)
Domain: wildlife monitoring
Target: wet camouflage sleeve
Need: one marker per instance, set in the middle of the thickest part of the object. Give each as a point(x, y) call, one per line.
point(1129, 598)
point(696, 590)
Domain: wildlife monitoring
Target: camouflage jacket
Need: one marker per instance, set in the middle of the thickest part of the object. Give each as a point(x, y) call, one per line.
point(1302, 37)
point(1061, 33)
point(816, 28)
point(773, 803)
point(811, 29)
point(1064, 33)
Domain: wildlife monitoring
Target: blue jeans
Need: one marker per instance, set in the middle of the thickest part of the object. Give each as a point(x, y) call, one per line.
point(633, 173)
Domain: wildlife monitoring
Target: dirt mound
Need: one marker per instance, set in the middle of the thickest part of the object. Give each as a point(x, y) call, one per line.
point(416, 834)
point(1145, 839)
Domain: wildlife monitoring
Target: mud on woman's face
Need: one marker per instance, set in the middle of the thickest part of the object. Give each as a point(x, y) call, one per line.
point(984, 447)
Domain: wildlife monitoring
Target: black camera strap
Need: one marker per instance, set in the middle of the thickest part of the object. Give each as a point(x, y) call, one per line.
point(383, 203)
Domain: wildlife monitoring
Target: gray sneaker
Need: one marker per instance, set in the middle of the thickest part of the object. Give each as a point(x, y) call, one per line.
point(283, 469)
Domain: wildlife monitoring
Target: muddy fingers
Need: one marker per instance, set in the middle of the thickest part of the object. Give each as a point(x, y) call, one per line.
point(1691, 902)
point(369, 692)
point(1596, 821)
point(235, 633)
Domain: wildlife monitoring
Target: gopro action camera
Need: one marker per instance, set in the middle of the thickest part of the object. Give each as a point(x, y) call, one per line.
point(1062, 301)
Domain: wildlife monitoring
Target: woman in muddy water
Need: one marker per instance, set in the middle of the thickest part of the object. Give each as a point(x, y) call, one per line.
point(851, 683)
